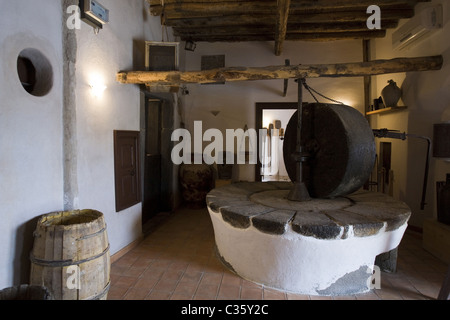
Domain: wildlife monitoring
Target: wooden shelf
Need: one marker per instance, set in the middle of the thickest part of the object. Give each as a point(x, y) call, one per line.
point(386, 110)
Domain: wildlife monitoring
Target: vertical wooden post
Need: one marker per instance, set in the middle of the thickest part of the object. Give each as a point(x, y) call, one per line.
point(281, 29)
point(367, 90)
point(368, 78)
point(287, 62)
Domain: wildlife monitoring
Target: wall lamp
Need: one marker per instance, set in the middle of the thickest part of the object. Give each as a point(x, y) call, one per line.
point(97, 86)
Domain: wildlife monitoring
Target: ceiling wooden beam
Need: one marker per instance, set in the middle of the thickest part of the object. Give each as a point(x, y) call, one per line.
point(307, 3)
point(292, 28)
point(278, 21)
point(331, 36)
point(307, 36)
point(337, 27)
point(193, 8)
point(270, 19)
point(281, 26)
point(252, 33)
point(356, 69)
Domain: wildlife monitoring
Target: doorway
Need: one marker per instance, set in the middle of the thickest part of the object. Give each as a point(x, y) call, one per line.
point(385, 184)
point(274, 117)
point(151, 204)
point(156, 127)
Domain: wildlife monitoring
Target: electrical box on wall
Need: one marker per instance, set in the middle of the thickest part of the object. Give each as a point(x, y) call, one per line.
point(93, 13)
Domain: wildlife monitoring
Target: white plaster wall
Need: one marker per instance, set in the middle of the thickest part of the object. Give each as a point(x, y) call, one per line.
point(427, 96)
point(31, 128)
point(236, 101)
point(118, 46)
point(31, 178)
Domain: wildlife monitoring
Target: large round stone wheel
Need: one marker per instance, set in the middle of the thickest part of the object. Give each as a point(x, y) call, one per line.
point(341, 147)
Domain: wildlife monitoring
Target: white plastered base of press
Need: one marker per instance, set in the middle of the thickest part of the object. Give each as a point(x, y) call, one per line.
point(300, 264)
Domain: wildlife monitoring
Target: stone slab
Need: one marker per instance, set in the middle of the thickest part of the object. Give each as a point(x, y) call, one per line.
point(273, 222)
point(265, 206)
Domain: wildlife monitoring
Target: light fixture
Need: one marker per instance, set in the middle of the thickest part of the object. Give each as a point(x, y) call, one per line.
point(97, 86)
point(441, 140)
point(190, 45)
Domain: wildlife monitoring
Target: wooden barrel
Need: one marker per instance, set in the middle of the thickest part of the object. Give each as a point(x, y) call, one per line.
point(70, 255)
point(25, 292)
point(341, 146)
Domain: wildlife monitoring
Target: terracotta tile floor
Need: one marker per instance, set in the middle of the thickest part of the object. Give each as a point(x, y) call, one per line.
point(177, 261)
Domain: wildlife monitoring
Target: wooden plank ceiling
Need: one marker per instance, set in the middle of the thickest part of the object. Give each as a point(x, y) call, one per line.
point(278, 20)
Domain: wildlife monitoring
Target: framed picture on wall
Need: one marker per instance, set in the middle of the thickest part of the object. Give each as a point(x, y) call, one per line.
point(161, 56)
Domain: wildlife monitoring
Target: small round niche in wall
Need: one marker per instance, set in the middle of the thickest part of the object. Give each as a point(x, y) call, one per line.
point(35, 72)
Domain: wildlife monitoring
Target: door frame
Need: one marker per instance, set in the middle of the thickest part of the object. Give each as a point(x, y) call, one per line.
point(259, 108)
point(166, 145)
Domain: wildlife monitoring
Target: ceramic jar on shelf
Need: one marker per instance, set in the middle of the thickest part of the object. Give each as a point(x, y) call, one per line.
point(391, 94)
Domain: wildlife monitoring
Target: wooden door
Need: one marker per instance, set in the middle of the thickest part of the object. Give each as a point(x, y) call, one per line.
point(126, 169)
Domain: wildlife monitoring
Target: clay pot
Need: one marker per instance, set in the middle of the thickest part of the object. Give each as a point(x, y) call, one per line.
point(391, 94)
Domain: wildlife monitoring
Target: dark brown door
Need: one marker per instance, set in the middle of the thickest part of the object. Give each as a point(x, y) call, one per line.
point(152, 202)
point(126, 165)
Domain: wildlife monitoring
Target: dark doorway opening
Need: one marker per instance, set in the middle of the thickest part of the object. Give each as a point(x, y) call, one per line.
point(152, 203)
point(157, 123)
point(385, 181)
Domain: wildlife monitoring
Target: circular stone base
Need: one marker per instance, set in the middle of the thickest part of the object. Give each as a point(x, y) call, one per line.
point(318, 247)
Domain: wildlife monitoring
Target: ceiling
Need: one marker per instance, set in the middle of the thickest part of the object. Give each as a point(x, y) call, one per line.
point(278, 20)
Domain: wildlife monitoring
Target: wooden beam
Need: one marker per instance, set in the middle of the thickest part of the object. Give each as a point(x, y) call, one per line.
point(356, 69)
point(281, 28)
point(343, 4)
point(330, 36)
point(303, 3)
point(202, 34)
point(347, 16)
point(337, 27)
point(270, 19)
point(177, 9)
point(324, 36)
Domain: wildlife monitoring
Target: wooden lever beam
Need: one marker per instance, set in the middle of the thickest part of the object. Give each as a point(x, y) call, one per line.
point(356, 69)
